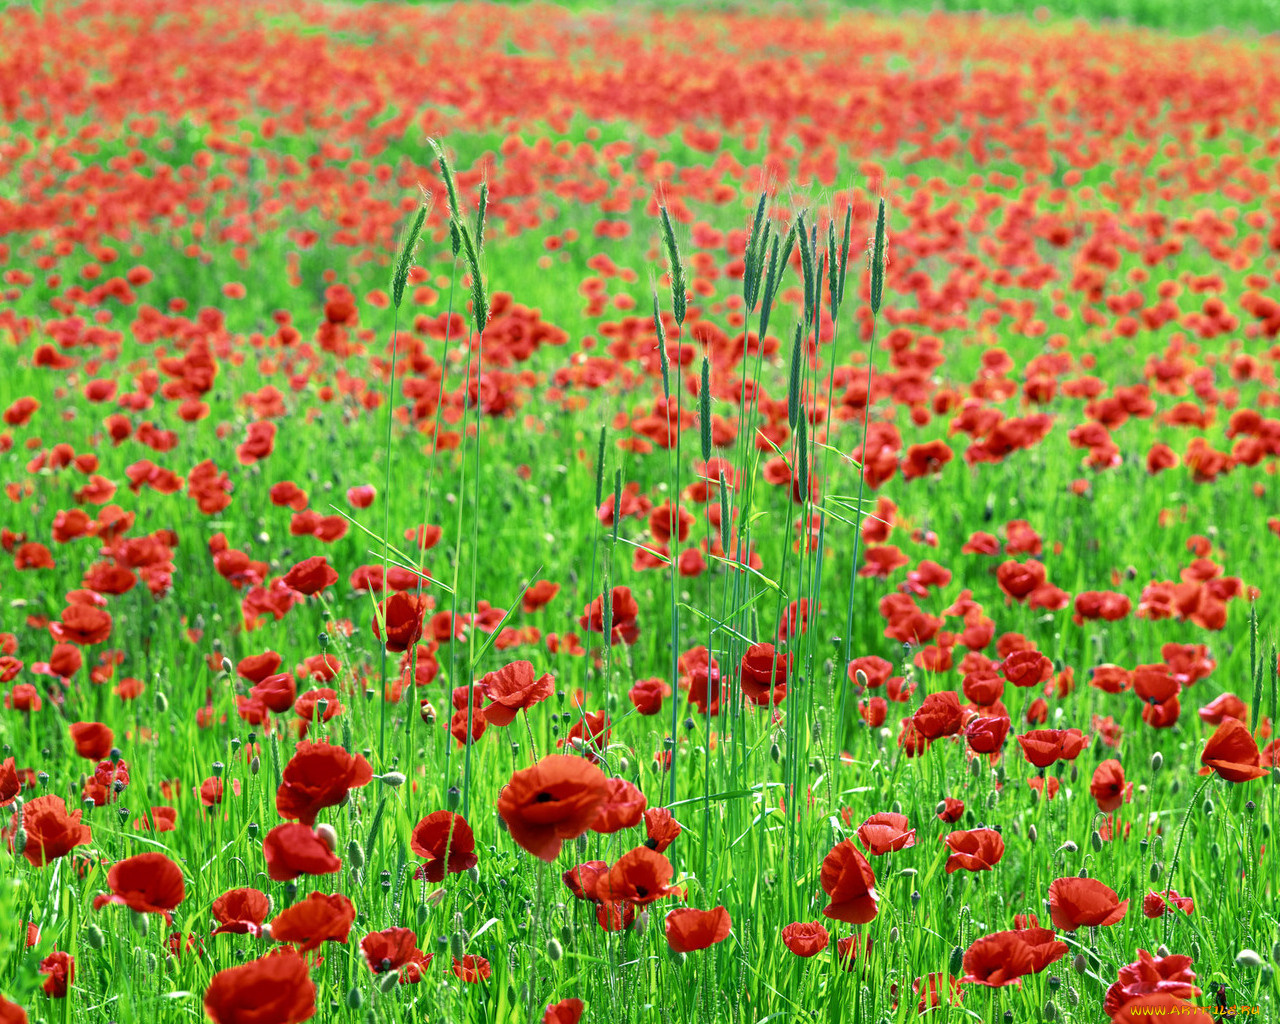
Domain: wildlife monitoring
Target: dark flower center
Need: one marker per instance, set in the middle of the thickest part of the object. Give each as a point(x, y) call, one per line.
point(641, 891)
point(544, 798)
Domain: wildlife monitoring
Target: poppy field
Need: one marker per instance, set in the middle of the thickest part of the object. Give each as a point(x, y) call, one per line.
point(542, 515)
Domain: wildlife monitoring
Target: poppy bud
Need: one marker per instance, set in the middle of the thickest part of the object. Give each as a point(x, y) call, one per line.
point(1250, 807)
point(252, 829)
point(388, 981)
point(1079, 964)
point(393, 779)
point(1248, 958)
point(1215, 851)
point(255, 765)
point(453, 797)
point(894, 934)
point(992, 799)
point(473, 873)
point(975, 767)
point(554, 950)
point(218, 768)
point(322, 705)
point(1162, 950)
point(1095, 841)
point(290, 891)
point(1156, 870)
point(956, 963)
point(624, 766)
point(1032, 834)
point(1083, 873)
point(1175, 787)
point(162, 703)
point(1157, 762)
point(94, 937)
point(20, 841)
point(1055, 983)
point(775, 752)
point(1275, 954)
point(458, 944)
point(915, 897)
point(327, 835)
point(1050, 1012)
point(1068, 847)
point(226, 665)
point(354, 998)
point(1208, 808)
point(140, 924)
point(862, 679)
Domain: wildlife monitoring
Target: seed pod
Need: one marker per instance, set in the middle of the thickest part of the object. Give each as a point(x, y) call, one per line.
point(328, 835)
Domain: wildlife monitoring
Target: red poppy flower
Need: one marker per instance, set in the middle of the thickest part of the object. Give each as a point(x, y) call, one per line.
point(978, 849)
point(764, 675)
point(1080, 902)
point(401, 615)
point(625, 629)
point(10, 784)
point(295, 849)
point(556, 799)
point(567, 1011)
point(583, 879)
point(986, 735)
point(639, 876)
point(59, 969)
point(1232, 752)
point(661, 828)
point(539, 596)
point(256, 667)
point(82, 624)
point(311, 576)
point(1042, 747)
point(935, 989)
point(319, 775)
point(1045, 947)
point(886, 832)
point(277, 692)
point(689, 930)
point(319, 918)
point(805, 938)
point(939, 715)
point(395, 949)
point(1226, 705)
point(149, 883)
point(1108, 786)
point(1150, 975)
point(950, 810)
point(1027, 668)
point(1157, 904)
point(473, 969)
point(93, 740)
point(849, 882)
point(513, 688)
point(241, 912)
point(850, 948)
point(159, 819)
point(52, 832)
point(275, 988)
point(11, 1013)
point(447, 843)
point(997, 960)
